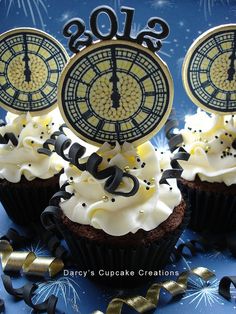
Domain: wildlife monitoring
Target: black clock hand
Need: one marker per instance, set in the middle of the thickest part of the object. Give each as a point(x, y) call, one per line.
point(115, 96)
point(26, 60)
point(231, 70)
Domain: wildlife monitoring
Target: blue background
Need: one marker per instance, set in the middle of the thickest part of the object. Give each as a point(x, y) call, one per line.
point(187, 20)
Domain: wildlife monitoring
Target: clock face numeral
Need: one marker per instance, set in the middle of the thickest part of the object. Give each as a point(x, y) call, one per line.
point(209, 70)
point(31, 62)
point(106, 93)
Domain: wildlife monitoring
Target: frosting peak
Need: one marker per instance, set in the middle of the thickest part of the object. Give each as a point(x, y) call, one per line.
point(24, 159)
point(208, 139)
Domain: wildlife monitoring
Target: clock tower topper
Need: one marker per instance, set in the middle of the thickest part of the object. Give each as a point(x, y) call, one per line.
point(116, 88)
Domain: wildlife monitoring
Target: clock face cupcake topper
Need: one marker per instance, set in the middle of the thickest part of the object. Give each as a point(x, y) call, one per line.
point(30, 64)
point(209, 70)
point(115, 90)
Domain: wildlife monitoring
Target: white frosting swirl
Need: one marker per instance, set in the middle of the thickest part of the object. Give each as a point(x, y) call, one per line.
point(119, 215)
point(24, 159)
point(208, 139)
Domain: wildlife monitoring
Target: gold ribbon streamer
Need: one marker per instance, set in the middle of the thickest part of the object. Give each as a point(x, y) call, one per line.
point(28, 262)
point(143, 304)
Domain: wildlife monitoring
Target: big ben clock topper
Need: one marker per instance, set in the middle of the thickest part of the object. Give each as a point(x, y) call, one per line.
point(209, 70)
point(31, 62)
point(117, 88)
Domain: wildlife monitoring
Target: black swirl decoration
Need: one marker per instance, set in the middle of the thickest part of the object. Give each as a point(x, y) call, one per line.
point(113, 175)
point(8, 137)
point(174, 139)
point(176, 171)
point(2, 306)
point(62, 145)
point(27, 292)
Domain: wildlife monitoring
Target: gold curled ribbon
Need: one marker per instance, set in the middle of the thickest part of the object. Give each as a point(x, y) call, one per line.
point(143, 304)
point(28, 262)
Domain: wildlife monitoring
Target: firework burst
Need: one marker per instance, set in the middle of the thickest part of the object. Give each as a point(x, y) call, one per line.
point(208, 6)
point(160, 141)
point(200, 292)
point(62, 287)
point(159, 4)
point(30, 8)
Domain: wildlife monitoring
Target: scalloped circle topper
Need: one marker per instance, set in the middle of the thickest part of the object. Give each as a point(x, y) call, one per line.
point(209, 70)
point(31, 62)
point(115, 90)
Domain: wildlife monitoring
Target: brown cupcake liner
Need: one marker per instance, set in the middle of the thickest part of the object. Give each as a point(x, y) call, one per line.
point(210, 211)
point(25, 201)
point(93, 256)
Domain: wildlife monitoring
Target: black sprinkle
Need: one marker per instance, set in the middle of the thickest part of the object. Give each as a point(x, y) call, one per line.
point(71, 178)
point(226, 121)
point(162, 153)
point(134, 168)
point(147, 188)
point(138, 160)
point(29, 165)
point(148, 183)
point(41, 137)
point(216, 136)
point(23, 125)
point(226, 134)
point(145, 181)
point(32, 142)
point(221, 142)
point(53, 123)
point(83, 204)
point(42, 132)
point(108, 159)
point(190, 128)
point(113, 200)
point(171, 188)
point(200, 131)
point(156, 149)
point(230, 135)
point(162, 170)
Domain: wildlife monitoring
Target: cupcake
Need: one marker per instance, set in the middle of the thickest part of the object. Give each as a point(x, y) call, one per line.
point(28, 179)
point(107, 232)
point(209, 176)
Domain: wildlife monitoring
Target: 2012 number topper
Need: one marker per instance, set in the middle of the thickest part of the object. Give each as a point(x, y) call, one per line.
point(82, 37)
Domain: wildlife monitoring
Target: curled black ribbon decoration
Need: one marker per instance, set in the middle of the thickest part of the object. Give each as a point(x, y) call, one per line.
point(51, 214)
point(9, 136)
point(113, 175)
point(2, 306)
point(174, 140)
point(15, 238)
point(176, 171)
point(206, 242)
point(27, 292)
point(224, 286)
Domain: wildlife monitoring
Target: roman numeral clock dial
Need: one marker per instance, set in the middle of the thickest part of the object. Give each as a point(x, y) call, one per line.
point(31, 62)
point(209, 70)
point(115, 90)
